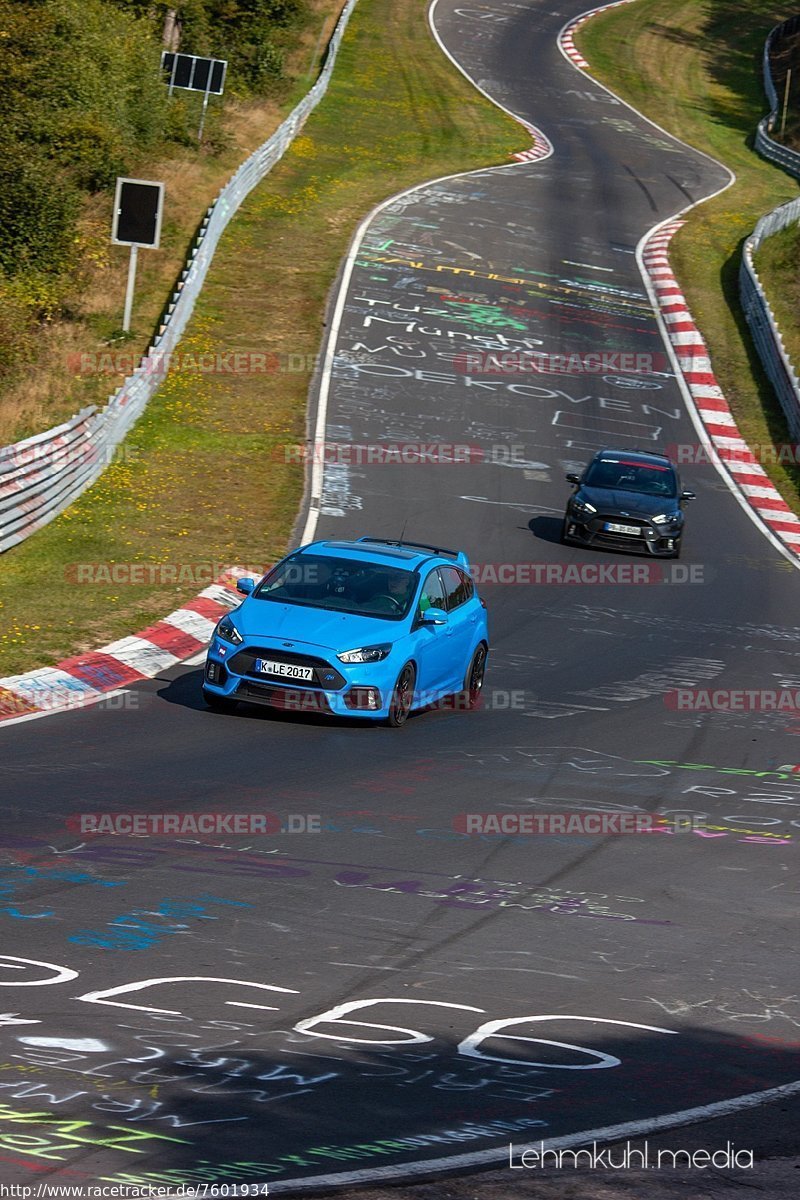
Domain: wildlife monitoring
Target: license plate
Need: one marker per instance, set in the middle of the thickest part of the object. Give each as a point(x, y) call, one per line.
point(265, 666)
point(612, 527)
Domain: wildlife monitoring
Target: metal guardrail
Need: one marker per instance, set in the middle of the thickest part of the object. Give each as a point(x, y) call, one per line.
point(761, 319)
point(43, 475)
point(764, 143)
point(757, 309)
point(782, 156)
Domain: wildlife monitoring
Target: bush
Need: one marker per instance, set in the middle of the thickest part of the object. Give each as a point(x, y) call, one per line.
point(260, 60)
point(83, 101)
point(16, 336)
point(251, 34)
point(38, 209)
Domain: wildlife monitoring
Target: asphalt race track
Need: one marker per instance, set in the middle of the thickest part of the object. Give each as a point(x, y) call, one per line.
point(390, 991)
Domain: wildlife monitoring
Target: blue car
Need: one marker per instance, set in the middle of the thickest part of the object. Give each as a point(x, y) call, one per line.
point(369, 628)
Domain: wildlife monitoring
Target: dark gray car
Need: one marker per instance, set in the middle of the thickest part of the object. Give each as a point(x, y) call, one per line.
point(627, 500)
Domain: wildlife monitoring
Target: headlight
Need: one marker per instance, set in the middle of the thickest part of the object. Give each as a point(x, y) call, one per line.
point(583, 506)
point(664, 518)
point(365, 654)
point(228, 632)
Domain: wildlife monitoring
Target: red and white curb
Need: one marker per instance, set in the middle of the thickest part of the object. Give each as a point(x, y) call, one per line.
point(691, 352)
point(86, 678)
point(566, 39)
point(542, 146)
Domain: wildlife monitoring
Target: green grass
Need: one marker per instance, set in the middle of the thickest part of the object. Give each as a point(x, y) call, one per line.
point(694, 66)
point(777, 265)
point(205, 477)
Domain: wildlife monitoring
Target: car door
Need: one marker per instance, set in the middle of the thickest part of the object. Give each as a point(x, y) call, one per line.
point(462, 623)
point(432, 642)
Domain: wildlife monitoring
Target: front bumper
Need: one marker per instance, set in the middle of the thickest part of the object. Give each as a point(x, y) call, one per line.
point(654, 540)
point(333, 690)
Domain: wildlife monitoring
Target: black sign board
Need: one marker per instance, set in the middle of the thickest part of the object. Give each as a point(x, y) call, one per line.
point(138, 204)
point(194, 73)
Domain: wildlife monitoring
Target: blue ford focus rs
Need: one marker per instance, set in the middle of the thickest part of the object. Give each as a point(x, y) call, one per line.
point(369, 628)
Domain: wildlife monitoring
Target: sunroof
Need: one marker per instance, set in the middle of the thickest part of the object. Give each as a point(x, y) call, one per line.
point(373, 548)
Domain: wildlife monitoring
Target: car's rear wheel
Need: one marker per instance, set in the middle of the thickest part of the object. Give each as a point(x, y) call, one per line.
point(473, 683)
point(402, 697)
point(219, 703)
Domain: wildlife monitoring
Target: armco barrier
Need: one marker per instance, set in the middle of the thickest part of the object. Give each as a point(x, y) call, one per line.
point(760, 318)
point(43, 475)
point(757, 309)
point(764, 144)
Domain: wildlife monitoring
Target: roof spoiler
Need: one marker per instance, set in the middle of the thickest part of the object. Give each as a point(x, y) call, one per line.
point(458, 555)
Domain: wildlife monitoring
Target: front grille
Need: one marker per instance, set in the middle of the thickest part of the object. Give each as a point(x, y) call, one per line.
point(325, 676)
point(289, 699)
point(618, 539)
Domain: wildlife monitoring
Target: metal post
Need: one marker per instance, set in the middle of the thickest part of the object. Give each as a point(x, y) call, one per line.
point(786, 100)
point(205, 106)
point(172, 74)
point(316, 51)
point(126, 320)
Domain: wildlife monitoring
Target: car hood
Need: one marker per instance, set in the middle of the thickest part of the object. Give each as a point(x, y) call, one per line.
point(634, 503)
point(313, 626)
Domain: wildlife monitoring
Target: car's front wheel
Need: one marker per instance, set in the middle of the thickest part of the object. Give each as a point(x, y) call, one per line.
point(219, 703)
point(402, 697)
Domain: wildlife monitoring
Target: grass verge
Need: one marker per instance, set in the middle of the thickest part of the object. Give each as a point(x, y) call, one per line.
point(205, 478)
point(695, 67)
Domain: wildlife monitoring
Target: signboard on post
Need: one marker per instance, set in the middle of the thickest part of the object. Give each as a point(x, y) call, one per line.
point(194, 74)
point(138, 209)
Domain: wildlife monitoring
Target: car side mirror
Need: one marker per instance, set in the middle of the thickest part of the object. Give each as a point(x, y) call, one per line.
point(688, 496)
point(433, 616)
point(245, 585)
point(572, 478)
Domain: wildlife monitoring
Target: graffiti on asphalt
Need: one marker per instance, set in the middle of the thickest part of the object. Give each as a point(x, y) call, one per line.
point(131, 931)
point(453, 890)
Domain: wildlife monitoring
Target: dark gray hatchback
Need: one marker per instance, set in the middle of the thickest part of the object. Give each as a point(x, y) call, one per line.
point(627, 500)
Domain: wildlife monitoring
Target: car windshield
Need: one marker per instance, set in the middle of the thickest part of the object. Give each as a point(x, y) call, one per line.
point(340, 584)
point(626, 476)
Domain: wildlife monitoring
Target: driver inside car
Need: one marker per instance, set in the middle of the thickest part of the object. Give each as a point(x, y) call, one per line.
point(392, 594)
